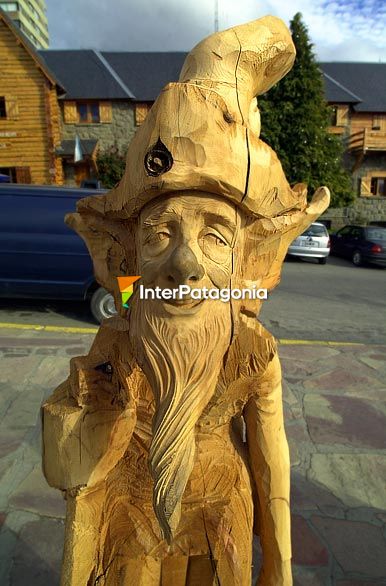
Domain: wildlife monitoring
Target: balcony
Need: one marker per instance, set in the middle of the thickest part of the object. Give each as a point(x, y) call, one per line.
point(367, 140)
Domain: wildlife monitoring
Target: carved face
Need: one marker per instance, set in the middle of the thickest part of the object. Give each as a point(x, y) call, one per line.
point(187, 240)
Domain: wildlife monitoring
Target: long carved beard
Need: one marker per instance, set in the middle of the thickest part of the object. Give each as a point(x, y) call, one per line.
point(181, 358)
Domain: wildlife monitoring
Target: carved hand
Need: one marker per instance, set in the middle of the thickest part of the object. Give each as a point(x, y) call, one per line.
point(269, 460)
point(88, 422)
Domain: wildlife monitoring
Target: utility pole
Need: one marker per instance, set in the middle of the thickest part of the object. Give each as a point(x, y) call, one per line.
point(215, 16)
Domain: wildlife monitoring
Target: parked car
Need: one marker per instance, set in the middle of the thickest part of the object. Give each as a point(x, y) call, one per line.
point(361, 244)
point(40, 257)
point(313, 243)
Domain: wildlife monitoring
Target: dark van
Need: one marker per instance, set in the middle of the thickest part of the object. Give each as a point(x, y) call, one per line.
point(40, 257)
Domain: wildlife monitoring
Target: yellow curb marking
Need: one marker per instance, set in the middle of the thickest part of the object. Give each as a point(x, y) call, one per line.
point(319, 343)
point(63, 329)
point(76, 330)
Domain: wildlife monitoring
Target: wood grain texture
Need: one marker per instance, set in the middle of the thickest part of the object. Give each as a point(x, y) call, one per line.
point(168, 437)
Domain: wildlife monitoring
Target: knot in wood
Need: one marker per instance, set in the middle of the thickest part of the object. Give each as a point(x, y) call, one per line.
point(228, 117)
point(158, 159)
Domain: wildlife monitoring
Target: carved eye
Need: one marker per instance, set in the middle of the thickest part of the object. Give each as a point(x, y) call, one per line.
point(106, 368)
point(162, 235)
point(216, 240)
point(156, 237)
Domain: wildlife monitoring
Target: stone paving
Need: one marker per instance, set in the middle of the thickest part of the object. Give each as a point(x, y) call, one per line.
point(335, 408)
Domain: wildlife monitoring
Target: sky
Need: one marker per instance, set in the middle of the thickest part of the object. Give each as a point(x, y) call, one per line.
point(341, 30)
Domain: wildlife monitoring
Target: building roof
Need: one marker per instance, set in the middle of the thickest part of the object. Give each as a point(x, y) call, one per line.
point(146, 73)
point(88, 74)
point(336, 92)
point(365, 80)
point(84, 75)
point(31, 50)
point(141, 76)
point(67, 147)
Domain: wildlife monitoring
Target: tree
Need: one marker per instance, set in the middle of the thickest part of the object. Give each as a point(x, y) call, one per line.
point(295, 121)
point(111, 166)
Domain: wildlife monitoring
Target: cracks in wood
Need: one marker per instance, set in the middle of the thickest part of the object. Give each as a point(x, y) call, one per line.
point(236, 80)
point(103, 575)
point(248, 165)
point(211, 556)
point(243, 122)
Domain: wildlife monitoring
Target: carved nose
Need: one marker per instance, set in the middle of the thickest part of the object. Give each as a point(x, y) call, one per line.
point(183, 267)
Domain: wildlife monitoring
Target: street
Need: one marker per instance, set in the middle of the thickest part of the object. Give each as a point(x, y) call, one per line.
point(334, 302)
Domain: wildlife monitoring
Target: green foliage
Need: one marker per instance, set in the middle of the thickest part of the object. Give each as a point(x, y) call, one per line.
point(295, 120)
point(111, 166)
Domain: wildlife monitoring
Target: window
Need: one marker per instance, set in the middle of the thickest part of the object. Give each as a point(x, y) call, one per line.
point(379, 122)
point(10, 6)
point(376, 233)
point(88, 113)
point(334, 116)
point(315, 230)
point(10, 172)
point(346, 231)
point(17, 174)
point(9, 108)
point(3, 109)
point(378, 185)
point(339, 115)
point(356, 232)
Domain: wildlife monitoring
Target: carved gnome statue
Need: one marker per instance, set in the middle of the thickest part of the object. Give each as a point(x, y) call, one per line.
point(145, 436)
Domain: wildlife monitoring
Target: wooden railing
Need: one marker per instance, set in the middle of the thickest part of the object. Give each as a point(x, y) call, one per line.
point(367, 140)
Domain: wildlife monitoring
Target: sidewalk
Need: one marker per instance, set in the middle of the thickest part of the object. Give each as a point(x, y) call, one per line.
point(336, 425)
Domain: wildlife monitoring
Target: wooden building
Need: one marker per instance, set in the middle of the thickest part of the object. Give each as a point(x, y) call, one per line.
point(357, 92)
point(108, 95)
point(29, 112)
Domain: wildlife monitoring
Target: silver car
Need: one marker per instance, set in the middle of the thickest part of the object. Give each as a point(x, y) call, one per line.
point(313, 243)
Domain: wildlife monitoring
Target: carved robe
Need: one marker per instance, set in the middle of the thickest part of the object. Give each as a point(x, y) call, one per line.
point(109, 486)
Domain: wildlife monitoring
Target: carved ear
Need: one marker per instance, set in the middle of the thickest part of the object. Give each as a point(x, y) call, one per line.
point(111, 244)
point(284, 229)
point(259, 260)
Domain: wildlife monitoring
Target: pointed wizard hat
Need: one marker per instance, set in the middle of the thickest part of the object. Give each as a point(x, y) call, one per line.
point(202, 133)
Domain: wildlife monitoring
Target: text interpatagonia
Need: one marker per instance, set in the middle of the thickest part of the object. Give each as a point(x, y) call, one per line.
point(183, 291)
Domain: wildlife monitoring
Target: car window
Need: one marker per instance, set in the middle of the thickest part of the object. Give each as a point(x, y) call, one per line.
point(315, 230)
point(356, 232)
point(376, 233)
point(346, 231)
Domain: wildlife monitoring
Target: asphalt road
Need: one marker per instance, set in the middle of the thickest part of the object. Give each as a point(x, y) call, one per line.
point(332, 302)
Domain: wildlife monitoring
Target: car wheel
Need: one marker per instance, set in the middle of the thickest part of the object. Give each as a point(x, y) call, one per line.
point(102, 305)
point(322, 261)
point(357, 258)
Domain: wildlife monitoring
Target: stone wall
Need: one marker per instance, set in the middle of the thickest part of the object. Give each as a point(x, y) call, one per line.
point(364, 210)
point(119, 132)
point(372, 165)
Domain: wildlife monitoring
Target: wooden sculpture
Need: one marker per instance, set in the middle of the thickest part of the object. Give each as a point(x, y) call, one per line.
point(168, 437)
